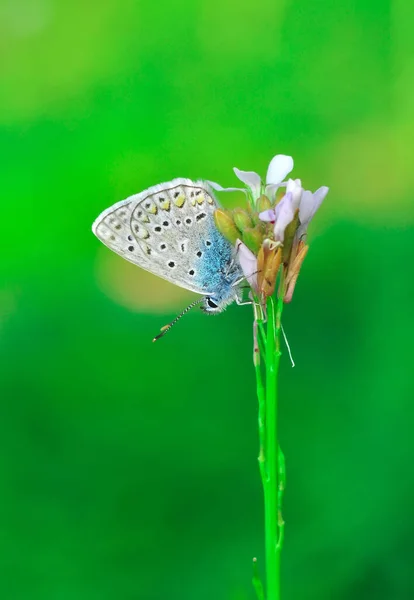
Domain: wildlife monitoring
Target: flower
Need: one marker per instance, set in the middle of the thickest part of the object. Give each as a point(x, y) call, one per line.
point(279, 167)
point(270, 233)
point(294, 199)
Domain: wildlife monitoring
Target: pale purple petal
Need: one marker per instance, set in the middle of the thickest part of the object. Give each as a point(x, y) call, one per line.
point(310, 204)
point(279, 167)
point(268, 215)
point(251, 179)
point(308, 207)
point(279, 206)
point(219, 188)
point(284, 215)
point(294, 186)
point(319, 196)
point(248, 263)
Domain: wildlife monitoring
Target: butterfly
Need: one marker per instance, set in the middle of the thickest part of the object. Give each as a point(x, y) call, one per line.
point(169, 230)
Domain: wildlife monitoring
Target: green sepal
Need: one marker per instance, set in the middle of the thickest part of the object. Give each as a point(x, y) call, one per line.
point(253, 238)
point(225, 224)
point(242, 219)
point(289, 236)
point(253, 215)
point(263, 203)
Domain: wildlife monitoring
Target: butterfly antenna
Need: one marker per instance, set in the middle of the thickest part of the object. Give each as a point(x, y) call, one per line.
point(174, 321)
point(244, 278)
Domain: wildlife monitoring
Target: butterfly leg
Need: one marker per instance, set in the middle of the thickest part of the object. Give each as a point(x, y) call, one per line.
point(239, 302)
point(258, 310)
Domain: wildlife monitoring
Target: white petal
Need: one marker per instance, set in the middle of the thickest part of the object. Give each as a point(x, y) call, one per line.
point(248, 263)
point(268, 215)
point(285, 214)
point(219, 188)
point(279, 167)
point(251, 179)
point(270, 190)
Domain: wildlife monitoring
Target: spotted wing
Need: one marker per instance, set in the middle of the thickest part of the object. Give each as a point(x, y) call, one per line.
point(163, 230)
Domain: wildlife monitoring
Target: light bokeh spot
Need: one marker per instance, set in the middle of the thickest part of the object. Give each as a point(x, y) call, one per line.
point(136, 289)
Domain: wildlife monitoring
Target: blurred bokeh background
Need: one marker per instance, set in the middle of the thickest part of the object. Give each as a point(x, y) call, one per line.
point(128, 469)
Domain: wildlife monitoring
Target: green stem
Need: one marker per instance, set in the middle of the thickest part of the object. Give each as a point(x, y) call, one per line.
point(281, 491)
point(261, 401)
point(271, 487)
point(262, 340)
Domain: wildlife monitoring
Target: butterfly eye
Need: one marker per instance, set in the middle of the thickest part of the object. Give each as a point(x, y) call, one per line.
point(211, 304)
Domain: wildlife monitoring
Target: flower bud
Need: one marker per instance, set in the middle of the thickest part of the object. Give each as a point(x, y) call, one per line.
point(269, 260)
point(242, 219)
point(253, 215)
point(263, 203)
point(290, 232)
point(225, 225)
point(293, 271)
point(253, 238)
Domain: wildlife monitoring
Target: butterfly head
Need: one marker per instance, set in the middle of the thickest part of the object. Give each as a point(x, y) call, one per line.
point(216, 303)
point(211, 305)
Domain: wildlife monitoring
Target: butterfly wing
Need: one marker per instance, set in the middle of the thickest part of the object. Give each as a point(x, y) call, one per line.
point(163, 230)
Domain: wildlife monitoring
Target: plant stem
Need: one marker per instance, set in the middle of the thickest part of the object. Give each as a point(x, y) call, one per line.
point(261, 396)
point(281, 491)
point(271, 487)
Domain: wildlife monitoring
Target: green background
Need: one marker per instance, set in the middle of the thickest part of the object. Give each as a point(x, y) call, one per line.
point(128, 469)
